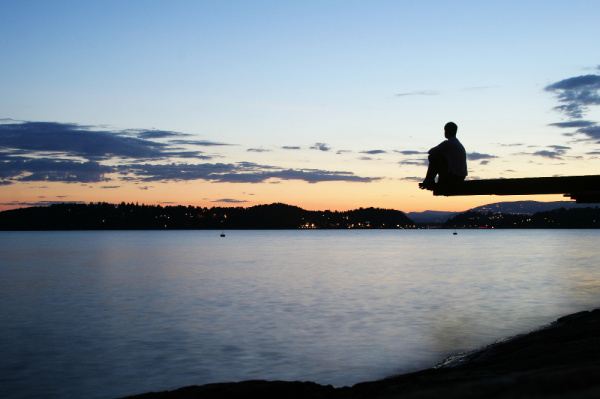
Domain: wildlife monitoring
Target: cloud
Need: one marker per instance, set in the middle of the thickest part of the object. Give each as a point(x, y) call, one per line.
point(320, 147)
point(230, 200)
point(203, 143)
point(475, 156)
point(576, 94)
point(155, 134)
point(287, 147)
point(39, 203)
point(418, 162)
point(593, 132)
point(374, 152)
point(65, 152)
point(413, 178)
point(257, 150)
point(572, 124)
point(548, 154)
point(242, 172)
point(418, 93)
point(316, 176)
point(410, 152)
point(76, 141)
point(510, 145)
point(54, 170)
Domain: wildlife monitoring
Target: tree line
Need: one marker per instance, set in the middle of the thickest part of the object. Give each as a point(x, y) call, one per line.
point(105, 216)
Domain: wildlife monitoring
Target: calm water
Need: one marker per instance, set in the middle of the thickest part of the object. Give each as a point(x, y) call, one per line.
point(109, 314)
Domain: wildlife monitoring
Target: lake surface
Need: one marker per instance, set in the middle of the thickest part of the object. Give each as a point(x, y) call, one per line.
point(108, 314)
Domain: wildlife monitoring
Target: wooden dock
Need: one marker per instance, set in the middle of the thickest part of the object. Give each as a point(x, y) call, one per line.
point(582, 189)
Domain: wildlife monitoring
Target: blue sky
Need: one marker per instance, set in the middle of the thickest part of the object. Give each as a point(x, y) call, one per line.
point(321, 104)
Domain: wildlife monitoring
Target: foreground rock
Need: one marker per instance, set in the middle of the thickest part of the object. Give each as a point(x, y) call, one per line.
point(559, 361)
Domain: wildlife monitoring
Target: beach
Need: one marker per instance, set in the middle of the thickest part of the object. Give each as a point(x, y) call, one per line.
point(559, 360)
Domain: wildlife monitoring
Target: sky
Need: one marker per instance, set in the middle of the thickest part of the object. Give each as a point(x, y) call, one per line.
point(326, 105)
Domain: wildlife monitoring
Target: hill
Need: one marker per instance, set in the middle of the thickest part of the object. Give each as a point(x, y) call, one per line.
point(576, 218)
point(507, 207)
point(104, 216)
point(528, 207)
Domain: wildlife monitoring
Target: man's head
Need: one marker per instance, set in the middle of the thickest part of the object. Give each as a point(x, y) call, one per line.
point(450, 130)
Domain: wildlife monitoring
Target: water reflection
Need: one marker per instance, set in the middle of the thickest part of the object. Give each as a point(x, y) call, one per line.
point(110, 312)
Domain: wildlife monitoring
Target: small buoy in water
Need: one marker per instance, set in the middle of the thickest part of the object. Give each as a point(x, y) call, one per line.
point(455, 233)
point(222, 234)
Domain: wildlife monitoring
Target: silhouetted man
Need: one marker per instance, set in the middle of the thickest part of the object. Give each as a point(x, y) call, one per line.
point(448, 160)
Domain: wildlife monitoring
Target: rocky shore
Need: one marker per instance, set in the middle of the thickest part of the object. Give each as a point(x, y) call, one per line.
point(561, 360)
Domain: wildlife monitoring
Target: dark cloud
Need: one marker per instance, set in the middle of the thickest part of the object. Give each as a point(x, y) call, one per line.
point(51, 151)
point(175, 172)
point(54, 170)
point(287, 147)
point(35, 139)
point(572, 124)
point(593, 132)
point(76, 141)
point(242, 172)
point(188, 154)
point(374, 152)
point(230, 200)
point(365, 159)
point(419, 162)
point(110, 187)
point(576, 94)
point(548, 154)
point(410, 152)
point(475, 156)
point(316, 176)
point(204, 143)
point(155, 134)
point(320, 147)
point(413, 178)
point(257, 150)
point(39, 203)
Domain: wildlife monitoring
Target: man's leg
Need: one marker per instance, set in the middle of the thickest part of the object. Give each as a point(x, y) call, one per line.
point(450, 179)
point(437, 164)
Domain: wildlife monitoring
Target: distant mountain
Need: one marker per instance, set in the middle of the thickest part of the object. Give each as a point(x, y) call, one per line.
point(430, 217)
point(527, 207)
point(561, 218)
point(507, 207)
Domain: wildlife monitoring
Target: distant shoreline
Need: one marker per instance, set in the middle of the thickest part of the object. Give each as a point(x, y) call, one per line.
point(278, 216)
point(560, 360)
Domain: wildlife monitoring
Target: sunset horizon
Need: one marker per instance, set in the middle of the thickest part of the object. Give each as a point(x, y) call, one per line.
point(325, 106)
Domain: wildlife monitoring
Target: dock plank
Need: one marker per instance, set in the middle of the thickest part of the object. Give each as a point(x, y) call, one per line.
point(583, 189)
